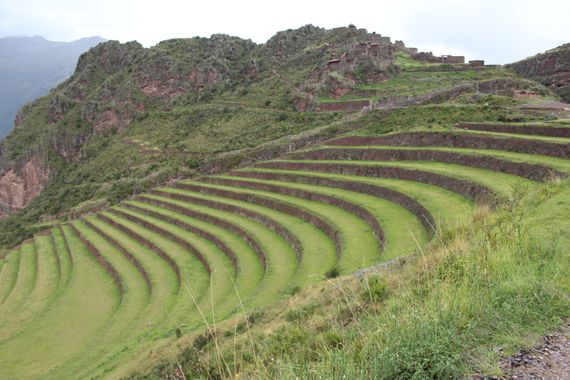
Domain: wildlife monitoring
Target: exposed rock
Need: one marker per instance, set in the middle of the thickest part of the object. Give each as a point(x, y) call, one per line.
point(551, 68)
point(19, 187)
point(19, 119)
point(57, 108)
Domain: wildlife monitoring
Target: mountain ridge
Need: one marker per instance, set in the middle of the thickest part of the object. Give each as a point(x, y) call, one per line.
point(30, 67)
point(172, 109)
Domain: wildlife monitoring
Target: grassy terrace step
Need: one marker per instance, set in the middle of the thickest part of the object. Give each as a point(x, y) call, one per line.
point(109, 219)
point(129, 320)
point(303, 237)
point(188, 246)
point(274, 225)
point(109, 268)
point(410, 204)
point(192, 275)
point(27, 273)
point(403, 228)
point(164, 282)
point(268, 203)
point(116, 246)
point(519, 136)
point(445, 206)
point(44, 290)
point(281, 258)
point(233, 227)
point(187, 249)
point(222, 267)
point(250, 266)
point(460, 140)
point(283, 207)
point(341, 203)
point(559, 164)
point(227, 280)
point(75, 318)
point(230, 253)
point(360, 246)
point(539, 130)
point(497, 183)
point(64, 255)
point(9, 275)
point(465, 188)
point(535, 172)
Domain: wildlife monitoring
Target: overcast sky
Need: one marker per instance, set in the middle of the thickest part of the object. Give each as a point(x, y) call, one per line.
point(499, 31)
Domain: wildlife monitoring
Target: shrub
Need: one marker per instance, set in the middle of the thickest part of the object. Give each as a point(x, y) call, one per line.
point(301, 313)
point(333, 272)
point(375, 289)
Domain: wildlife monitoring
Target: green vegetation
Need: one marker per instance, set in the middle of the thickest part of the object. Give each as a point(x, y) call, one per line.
point(173, 280)
point(485, 283)
point(270, 273)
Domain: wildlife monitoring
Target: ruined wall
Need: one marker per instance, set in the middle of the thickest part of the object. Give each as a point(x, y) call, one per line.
point(531, 129)
point(534, 172)
point(353, 105)
point(455, 59)
point(461, 140)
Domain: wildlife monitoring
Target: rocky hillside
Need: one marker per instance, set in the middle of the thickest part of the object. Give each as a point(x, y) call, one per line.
point(30, 67)
point(131, 118)
point(551, 68)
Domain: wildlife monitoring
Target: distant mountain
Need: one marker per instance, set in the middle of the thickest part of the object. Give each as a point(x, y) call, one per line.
point(30, 67)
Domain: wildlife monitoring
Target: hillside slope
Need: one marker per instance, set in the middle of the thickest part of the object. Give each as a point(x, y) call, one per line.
point(164, 201)
point(194, 255)
point(30, 67)
point(131, 118)
point(551, 68)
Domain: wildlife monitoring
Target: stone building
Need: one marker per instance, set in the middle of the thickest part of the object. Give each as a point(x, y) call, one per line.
point(477, 63)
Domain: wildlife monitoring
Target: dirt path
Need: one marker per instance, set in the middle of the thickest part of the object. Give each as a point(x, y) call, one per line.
point(548, 361)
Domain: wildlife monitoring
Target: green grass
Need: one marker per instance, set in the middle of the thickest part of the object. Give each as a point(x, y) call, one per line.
point(559, 140)
point(280, 256)
point(497, 280)
point(42, 294)
point(250, 268)
point(128, 322)
point(145, 328)
point(360, 245)
point(553, 162)
point(81, 313)
point(221, 298)
point(192, 272)
point(500, 183)
point(64, 257)
point(403, 231)
point(446, 207)
point(419, 82)
point(25, 282)
point(9, 275)
point(318, 250)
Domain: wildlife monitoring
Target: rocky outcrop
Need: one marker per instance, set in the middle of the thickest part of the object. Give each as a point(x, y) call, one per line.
point(18, 187)
point(551, 68)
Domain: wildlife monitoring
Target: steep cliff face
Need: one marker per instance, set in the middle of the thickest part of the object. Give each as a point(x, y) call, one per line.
point(551, 68)
point(112, 85)
point(20, 186)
